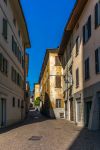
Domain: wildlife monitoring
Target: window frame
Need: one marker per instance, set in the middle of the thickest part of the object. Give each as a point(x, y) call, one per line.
point(87, 69)
point(58, 103)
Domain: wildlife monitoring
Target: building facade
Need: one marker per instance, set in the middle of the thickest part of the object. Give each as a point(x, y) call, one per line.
point(36, 91)
point(80, 49)
point(27, 97)
point(13, 41)
point(51, 91)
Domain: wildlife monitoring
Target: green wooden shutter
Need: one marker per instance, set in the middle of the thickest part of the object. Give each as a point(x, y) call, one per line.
point(5, 28)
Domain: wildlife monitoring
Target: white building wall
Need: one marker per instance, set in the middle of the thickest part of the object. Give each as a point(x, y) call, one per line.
point(8, 89)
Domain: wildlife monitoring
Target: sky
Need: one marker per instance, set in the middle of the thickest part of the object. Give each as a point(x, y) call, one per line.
point(46, 20)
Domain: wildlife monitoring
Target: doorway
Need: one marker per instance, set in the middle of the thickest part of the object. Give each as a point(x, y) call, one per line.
point(78, 111)
point(71, 110)
point(3, 112)
point(88, 109)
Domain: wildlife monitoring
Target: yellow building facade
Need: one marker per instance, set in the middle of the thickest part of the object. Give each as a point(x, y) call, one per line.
point(51, 92)
point(36, 91)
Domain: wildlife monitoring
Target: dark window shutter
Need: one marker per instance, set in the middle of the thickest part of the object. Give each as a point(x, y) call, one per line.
point(87, 73)
point(96, 15)
point(77, 77)
point(57, 61)
point(77, 45)
point(96, 62)
point(5, 28)
point(84, 34)
point(58, 81)
point(12, 43)
point(89, 27)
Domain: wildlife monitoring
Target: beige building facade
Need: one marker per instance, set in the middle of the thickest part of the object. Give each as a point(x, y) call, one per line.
point(80, 51)
point(36, 91)
point(13, 41)
point(51, 91)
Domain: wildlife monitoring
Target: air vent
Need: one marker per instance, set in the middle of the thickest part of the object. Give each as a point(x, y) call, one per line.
point(61, 115)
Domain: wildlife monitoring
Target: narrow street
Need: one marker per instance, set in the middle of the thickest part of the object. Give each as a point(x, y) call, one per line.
point(40, 133)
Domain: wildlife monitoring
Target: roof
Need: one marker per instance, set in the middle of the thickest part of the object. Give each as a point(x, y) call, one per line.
point(72, 21)
point(46, 60)
point(17, 8)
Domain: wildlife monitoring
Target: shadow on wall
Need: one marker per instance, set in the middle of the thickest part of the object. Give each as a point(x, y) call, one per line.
point(86, 140)
point(47, 108)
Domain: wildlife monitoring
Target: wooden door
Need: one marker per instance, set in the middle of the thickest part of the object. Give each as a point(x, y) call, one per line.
point(3, 112)
point(88, 109)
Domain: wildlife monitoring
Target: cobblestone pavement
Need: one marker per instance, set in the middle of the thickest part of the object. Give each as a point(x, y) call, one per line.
point(39, 133)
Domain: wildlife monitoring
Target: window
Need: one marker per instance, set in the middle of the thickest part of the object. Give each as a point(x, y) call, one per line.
point(3, 64)
point(16, 50)
point(13, 102)
point(58, 81)
point(97, 14)
point(77, 78)
point(18, 103)
point(19, 80)
point(57, 61)
point(87, 30)
point(16, 78)
point(58, 103)
point(23, 62)
point(87, 73)
point(97, 61)
point(77, 45)
point(13, 75)
point(4, 28)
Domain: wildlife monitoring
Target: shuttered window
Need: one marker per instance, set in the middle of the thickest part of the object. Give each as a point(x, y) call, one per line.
point(97, 14)
point(77, 78)
point(57, 61)
point(58, 103)
point(3, 65)
point(87, 30)
point(77, 45)
point(97, 61)
point(58, 81)
point(4, 28)
point(16, 50)
point(14, 74)
point(13, 102)
point(16, 77)
point(87, 73)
